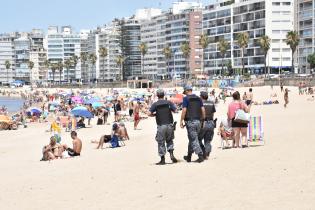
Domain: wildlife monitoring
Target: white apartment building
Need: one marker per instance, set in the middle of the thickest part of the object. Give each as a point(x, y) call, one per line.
point(224, 20)
point(305, 17)
point(60, 47)
point(39, 71)
point(6, 54)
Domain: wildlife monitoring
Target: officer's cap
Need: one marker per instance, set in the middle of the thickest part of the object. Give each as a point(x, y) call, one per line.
point(160, 92)
point(187, 87)
point(203, 94)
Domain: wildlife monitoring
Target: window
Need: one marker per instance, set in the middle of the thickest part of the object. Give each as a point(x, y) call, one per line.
point(275, 3)
point(275, 49)
point(276, 41)
point(275, 31)
point(286, 3)
point(275, 59)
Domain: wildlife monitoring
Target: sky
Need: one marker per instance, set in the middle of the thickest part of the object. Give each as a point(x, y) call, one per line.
point(24, 15)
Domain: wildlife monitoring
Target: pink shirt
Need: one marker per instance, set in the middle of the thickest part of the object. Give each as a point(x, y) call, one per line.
point(234, 106)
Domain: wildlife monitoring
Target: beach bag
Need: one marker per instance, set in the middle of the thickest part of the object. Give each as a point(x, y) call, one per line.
point(241, 116)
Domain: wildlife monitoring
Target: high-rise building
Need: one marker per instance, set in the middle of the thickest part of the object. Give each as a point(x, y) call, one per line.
point(304, 25)
point(226, 19)
point(182, 24)
point(129, 43)
point(62, 46)
point(7, 54)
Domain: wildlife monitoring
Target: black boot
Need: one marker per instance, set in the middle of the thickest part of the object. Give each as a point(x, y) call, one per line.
point(206, 155)
point(174, 160)
point(200, 158)
point(162, 162)
point(188, 158)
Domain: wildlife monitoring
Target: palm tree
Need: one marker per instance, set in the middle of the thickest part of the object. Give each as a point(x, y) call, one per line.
point(223, 46)
point(60, 68)
point(30, 66)
point(47, 64)
point(84, 58)
point(92, 59)
point(293, 41)
point(7, 67)
point(242, 42)
point(53, 67)
point(143, 50)
point(264, 43)
point(67, 64)
point(103, 54)
point(120, 62)
point(167, 52)
point(204, 43)
point(185, 48)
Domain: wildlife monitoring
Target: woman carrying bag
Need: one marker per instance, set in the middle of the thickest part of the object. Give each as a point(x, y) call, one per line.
point(238, 117)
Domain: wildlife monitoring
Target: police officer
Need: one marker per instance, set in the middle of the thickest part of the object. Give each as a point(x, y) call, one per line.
point(162, 111)
point(193, 112)
point(207, 130)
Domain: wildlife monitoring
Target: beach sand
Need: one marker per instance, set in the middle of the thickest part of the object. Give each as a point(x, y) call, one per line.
point(279, 175)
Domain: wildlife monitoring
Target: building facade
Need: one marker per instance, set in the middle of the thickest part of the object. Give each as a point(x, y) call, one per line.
point(225, 20)
point(304, 11)
point(62, 45)
point(7, 54)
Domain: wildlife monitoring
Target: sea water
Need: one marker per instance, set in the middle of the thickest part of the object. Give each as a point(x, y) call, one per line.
point(12, 104)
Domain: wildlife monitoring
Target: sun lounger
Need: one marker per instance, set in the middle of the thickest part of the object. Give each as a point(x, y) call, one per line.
point(255, 131)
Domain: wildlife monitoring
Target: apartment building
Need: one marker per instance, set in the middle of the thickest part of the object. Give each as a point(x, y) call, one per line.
point(304, 11)
point(7, 54)
point(225, 20)
point(62, 45)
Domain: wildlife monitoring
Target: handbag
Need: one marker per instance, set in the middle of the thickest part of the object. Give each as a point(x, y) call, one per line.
point(241, 116)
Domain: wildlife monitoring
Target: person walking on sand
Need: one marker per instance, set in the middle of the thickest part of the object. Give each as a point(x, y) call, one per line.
point(136, 115)
point(207, 130)
point(193, 112)
point(286, 97)
point(162, 111)
point(250, 97)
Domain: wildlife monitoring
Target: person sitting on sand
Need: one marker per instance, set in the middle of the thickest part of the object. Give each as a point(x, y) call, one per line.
point(77, 145)
point(52, 150)
point(113, 138)
point(122, 131)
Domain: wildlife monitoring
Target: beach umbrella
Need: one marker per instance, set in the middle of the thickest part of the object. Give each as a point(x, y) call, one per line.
point(35, 110)
point(97, 104)
point(55, 103)
point(81, 111)
point(92, 100)
point(109, 98)
point(5, 119)
point(77, 100)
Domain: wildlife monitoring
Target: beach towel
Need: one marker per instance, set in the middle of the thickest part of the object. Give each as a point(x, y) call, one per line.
point(255, 129)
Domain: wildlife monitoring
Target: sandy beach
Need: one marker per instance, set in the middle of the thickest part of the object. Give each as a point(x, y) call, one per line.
point(279, 175)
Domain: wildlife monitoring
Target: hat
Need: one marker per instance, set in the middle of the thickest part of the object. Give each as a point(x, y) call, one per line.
point(160, 92)
point(203, 94)
point(187, 87)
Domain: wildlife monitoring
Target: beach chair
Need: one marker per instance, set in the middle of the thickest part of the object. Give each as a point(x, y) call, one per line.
point(255, 131)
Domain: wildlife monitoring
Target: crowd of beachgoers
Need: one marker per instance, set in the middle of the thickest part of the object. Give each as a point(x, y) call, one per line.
point(70, 110)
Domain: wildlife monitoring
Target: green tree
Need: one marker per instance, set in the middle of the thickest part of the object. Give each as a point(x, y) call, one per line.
point(185, 48)
point(67, 64)
point(242, 42)
point(223, 47)
point(167, 52)
point(84, 58)
point(7, 67)
point(103, 54)
point(264, 43)
point(53, 67)
point(30, 65)
point(60, 69)
point(293, 41)
point(204, 43)
point(92, 59)
point(143, 50)
point(311, 60)
point(120, 63)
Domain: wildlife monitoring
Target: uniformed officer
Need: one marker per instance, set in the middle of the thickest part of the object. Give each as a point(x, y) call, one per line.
point(207, 130)
point(193, 112)
point(162, 111)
